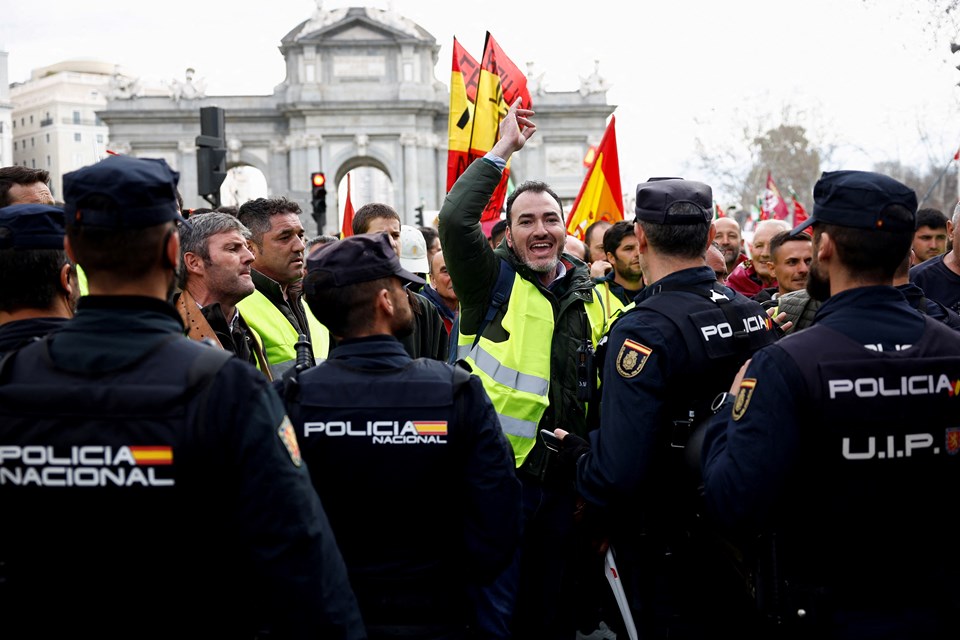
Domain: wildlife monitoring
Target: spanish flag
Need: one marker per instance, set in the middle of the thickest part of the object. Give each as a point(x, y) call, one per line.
point(499, 84)
point(152, 455)
point(600, 196)
point(464, 77)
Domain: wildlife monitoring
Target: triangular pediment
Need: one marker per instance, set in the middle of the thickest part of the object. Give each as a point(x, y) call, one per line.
point(358, 31)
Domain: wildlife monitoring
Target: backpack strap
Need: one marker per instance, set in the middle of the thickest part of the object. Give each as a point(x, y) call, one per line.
point(498, 297)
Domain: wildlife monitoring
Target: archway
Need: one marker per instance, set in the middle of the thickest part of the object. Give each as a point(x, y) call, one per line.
point(369, 182)
point(243, 182)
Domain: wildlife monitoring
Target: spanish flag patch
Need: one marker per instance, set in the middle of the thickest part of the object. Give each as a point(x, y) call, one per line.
point(744, 394)
point(631, 358)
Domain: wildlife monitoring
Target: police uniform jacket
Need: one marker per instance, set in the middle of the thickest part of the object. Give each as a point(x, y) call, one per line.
point(850, 475)
point(415, 474)
point(144, 499)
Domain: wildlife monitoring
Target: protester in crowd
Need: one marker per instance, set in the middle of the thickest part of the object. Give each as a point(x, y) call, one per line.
point(313, 244)
point(432, 238)
point(414, 255)
point(215, 276)
point(429, 338)
point(816, 473)
point(730, 240)
point(716, 260)
point(496, 233)
point(575, 247)
point(593, 238)
point(666, 360)
point(38, 284)
point(20, 185)
point(129, 448)
point(790, 257)
point(524, 346)
point(939, 277)
point(440, 291)
point(930, 238)
point(750, 276)
point(625, 279)
point(416, 585)
point(275, 310)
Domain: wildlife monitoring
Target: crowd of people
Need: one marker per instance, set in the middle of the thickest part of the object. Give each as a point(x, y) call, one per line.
point(211, 425)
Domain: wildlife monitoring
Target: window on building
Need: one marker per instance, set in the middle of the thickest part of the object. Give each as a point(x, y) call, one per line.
point(48, 161)
point(14, 145)
point(76, 117)
point(76, 137)
point(31, 118)
point(99, 138)
point(48, 138)
point(32, 142)
point(21, 122)
point(33, 163)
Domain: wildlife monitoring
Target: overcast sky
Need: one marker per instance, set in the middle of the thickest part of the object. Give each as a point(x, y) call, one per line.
point(863, 75)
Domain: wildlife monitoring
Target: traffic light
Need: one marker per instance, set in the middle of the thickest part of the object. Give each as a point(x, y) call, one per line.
point(211, 154)
point(318, 198)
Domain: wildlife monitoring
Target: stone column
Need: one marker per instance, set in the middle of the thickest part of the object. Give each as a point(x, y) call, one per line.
point(411, 191)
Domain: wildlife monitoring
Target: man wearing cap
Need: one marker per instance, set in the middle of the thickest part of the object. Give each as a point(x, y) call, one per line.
point(275, 309)
point(665, 361)
point(38, 285)
point(419, 488)
point(528, 315)
point(845, 486)
point(429, 338)
point(150, 482)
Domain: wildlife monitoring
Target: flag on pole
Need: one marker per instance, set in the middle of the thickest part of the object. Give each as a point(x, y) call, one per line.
point(500, 83)
point(347, 229)
point(600, 196)
point(464, 77)
point(773, 203)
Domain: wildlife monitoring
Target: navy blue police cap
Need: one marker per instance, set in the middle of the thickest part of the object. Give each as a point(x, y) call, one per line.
point(657, 196)
point(353, 260)
point(857, 199)
point(122, 192)
point(31, 226)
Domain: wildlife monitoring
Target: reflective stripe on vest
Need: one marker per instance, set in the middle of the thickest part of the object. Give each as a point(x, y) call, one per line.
point(516, 372)
point(278, 335)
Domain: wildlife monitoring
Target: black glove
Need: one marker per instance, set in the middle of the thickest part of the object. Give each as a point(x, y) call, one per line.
point(571, 448)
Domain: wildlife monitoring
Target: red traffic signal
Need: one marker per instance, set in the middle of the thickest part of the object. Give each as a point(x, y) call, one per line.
point(318, 179)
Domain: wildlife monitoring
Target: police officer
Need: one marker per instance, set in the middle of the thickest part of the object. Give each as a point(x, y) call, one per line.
point(407, 455)
point(38, 285)
point(665, 361)
point(151, 485)
point(841, 438)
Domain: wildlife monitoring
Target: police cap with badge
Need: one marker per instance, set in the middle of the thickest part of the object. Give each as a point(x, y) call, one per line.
point(122, 192)
point(353, 260)
point(859, 199)
point(31, 226)
point(657, 197)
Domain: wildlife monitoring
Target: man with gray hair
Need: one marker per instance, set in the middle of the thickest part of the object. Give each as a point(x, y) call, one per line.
point(215, 276)
point(939, 277)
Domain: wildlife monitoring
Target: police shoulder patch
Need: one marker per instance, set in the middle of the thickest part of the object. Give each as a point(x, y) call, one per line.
point(289, 439)
point(744, 394)
point(631, 358)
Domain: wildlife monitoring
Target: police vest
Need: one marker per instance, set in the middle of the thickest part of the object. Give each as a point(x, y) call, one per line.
point(516, 371)
point(104, 483)
point(278, 335)
point(386, 452)
point(865, 514)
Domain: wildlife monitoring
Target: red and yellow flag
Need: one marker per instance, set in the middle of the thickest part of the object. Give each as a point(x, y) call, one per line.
point(600, 196)
point(500, 83)
point(347, 229)
point(464, 77)
point(799, 213)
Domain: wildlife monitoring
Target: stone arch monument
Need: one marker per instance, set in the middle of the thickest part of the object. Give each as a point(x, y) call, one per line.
point(360, 90)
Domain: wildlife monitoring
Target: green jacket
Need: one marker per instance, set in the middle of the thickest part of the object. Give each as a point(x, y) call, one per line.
point(474, 267)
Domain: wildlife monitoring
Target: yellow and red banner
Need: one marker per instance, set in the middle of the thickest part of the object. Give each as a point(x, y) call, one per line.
point(464, 77)
point(152, 455)
point(600, 196)
point(480, 96)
